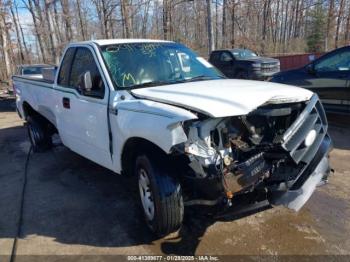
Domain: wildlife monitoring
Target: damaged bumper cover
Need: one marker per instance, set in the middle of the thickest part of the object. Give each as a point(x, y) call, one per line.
point(312, 176)
point(294, 198)
point(277, 153)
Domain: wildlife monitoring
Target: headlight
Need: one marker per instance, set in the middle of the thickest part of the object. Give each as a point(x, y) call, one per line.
point(256, 65)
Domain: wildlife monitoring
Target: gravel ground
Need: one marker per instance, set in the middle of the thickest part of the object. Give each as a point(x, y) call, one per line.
point(74, 207)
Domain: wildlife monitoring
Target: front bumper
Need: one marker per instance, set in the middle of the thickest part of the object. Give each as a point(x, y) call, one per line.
point(259, 75)
point(305, 184)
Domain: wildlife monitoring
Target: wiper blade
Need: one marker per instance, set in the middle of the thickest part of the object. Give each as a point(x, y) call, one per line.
point(198, 78)
point(159, 83)
point(149, 84)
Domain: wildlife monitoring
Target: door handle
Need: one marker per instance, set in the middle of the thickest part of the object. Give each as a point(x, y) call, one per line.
point(66, 102)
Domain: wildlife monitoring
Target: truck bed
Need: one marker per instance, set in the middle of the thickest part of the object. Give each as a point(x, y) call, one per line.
point(32, 78)
point(39, 93)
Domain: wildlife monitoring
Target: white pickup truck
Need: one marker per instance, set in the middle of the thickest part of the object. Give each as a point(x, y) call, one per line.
point(157, 111)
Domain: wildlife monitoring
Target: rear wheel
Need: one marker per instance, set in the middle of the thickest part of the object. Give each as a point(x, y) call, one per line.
point(39, 137)
point(160, 195)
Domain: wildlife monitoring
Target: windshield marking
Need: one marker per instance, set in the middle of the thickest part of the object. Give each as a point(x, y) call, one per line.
point(128, 77)
point(150, 49)
point(139, 65)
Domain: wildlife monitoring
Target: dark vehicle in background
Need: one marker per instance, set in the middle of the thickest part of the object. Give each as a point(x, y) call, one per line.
point(244, 64)
point(34, 70)
point(328, 76)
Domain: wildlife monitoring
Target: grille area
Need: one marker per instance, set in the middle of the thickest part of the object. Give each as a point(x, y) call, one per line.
point(312, 118)
point(273, 69)
point(269, 67)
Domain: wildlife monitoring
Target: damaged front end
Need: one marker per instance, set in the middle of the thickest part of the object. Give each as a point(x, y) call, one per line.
point(279, 151)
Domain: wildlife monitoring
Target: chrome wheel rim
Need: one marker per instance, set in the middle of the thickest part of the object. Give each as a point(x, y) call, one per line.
point(146, 194)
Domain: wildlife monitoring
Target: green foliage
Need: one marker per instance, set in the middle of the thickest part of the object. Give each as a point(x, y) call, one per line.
point(317, 27)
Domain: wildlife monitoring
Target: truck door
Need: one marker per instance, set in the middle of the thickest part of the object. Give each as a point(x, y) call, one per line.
point(329, 78)
point(227, 64)
point(82, 114)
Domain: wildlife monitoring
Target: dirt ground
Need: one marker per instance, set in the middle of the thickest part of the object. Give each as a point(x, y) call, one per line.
point(74, 207)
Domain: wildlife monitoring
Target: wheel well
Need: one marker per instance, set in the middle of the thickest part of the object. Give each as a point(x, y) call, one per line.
point(132, 148)
point(29, 111)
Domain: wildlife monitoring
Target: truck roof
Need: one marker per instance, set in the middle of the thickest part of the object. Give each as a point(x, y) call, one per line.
point(35, 65)
point(231, 49)
point(102, 42)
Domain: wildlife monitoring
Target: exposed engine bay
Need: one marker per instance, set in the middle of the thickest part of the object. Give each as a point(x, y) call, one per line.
point(235, 155)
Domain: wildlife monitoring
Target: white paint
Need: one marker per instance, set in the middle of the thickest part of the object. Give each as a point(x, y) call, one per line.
point(227, 97)
point(204, 62)
point(124, 41)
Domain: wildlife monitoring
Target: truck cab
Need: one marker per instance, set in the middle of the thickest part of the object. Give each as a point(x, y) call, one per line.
point(327, 76)
point(244, 64)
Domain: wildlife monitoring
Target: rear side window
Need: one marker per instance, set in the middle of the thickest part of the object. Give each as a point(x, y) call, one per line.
point(63, 76)
point(84, 62)
point(340, 61)
point(32, 71)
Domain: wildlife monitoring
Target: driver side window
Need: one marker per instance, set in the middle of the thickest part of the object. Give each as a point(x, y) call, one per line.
point(84, 62)
point(340, 61)
point(225, 57)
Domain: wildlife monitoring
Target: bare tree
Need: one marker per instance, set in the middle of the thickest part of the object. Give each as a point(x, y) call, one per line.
point(210, 33)
point(21, 38)
point(67, 20)
point(347, 27)
point(17, 30)
point(4, 39)
point(38, 30)
point(233, 18)
point(268, 26)
point(329, 22)
point(223, 24)
point(166, 19)
point(124, 7)
point(50, 32)
point(81, 23)
point(339, 20)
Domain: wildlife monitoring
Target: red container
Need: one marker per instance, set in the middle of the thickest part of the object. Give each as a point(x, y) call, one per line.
point(295, 61)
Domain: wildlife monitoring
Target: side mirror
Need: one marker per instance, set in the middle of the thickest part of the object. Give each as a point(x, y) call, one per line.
point(86, 83)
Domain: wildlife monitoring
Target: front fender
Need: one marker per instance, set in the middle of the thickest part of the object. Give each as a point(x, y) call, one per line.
point(156, 122)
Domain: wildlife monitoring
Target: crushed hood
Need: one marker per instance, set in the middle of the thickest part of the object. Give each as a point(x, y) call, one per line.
point(226, 97)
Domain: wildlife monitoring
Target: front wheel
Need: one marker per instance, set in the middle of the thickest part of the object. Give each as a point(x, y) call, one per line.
point(160, 195)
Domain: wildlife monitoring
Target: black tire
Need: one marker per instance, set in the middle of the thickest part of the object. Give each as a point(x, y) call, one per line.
point(39, 137)
point(165, 191)
point(242, 75)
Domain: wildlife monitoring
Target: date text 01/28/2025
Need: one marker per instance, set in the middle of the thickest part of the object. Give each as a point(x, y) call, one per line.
point(173, 258)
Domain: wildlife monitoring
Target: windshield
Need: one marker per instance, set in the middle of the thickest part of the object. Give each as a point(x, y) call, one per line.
point(143, 64)
point(243, 53)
